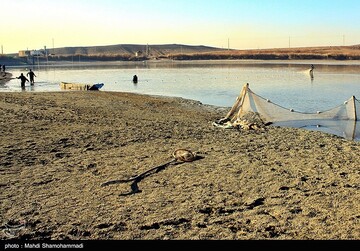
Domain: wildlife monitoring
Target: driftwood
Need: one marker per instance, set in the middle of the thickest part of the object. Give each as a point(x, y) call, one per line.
point(140, 176)
point(180, 156)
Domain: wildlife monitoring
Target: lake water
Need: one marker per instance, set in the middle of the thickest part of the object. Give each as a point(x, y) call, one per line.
point(287, 83)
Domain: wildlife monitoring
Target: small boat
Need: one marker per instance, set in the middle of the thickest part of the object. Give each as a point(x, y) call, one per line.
point(96, 87)
point(80, 86)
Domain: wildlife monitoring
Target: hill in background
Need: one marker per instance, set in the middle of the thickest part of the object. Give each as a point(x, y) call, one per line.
point(136, 52)
point(187, 52)
point(321, 52)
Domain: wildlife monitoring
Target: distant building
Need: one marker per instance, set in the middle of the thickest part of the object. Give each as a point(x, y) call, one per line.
point(33, 53)
point(138, 53)
point(37, 53)
point(24, 53)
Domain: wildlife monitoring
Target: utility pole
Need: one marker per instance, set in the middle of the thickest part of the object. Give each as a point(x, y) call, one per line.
point(2, 50)
point(228, 44)
point(343, 40)
point(46, 54)
point(289, 42)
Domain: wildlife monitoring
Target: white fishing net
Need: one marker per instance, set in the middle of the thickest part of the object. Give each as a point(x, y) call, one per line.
point(340, 120)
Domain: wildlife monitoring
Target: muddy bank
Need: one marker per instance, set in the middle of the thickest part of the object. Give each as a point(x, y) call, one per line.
point(273, 183)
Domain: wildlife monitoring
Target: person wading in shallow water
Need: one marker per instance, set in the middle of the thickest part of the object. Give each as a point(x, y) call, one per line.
point(23, 80)
point(135, 79)
point(31, 74)
point(2, 68)
point(312, 67)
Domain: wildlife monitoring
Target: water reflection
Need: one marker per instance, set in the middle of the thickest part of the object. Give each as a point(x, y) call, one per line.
point(212, 82)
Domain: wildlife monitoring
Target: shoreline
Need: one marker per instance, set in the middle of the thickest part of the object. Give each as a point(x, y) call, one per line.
point(64, 63)
point(188, 52)
point(277, 183)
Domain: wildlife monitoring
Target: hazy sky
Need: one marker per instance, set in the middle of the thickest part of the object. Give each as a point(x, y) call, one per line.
point(242, 24)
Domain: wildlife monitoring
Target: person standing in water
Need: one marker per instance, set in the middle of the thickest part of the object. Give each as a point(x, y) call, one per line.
point(135, 79)
point(312, 67)
point(31, 74)
point(23, 80)
point(2, 68)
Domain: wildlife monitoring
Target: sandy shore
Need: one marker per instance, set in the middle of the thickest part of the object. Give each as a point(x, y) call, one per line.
point(57, 149)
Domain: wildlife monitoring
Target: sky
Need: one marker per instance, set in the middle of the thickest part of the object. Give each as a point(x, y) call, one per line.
point(235, 24)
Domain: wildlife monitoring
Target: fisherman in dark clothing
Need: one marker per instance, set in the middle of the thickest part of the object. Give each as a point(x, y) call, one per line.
point(135, 79)
point(1, 68)
point(31, 74)
point(312, 67)
point(23, 80)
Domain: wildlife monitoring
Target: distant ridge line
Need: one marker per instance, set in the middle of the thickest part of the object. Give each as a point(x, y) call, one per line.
point(133, 49)
point(141, 52)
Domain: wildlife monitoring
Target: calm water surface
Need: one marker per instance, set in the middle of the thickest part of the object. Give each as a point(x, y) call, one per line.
point(287, 83)
point(215, 83)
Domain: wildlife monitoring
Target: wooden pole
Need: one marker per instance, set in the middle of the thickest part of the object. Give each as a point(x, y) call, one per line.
point(245, 90)
point(239, 101)
point(355, 112)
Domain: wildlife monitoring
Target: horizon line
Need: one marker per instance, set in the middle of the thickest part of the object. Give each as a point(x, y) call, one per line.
point(190, 45)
